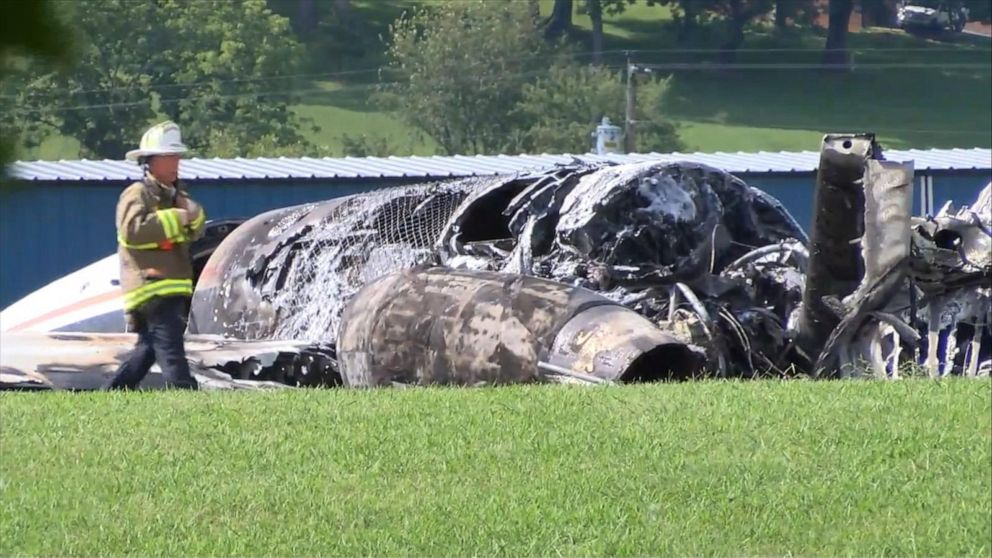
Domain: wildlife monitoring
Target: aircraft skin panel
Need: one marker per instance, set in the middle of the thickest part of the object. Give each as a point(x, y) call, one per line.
point(90, 298)
point(111, 322)
point(87, 293)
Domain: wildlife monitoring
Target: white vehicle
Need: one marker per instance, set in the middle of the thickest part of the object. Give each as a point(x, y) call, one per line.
point(932, 16)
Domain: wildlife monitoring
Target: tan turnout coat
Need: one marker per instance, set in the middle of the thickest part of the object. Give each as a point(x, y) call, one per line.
point(153, 244)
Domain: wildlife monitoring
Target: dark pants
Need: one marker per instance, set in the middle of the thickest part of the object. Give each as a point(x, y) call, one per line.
point(160, 324)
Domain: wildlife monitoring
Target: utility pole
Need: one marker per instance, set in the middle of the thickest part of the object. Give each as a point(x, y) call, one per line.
point(629, 145)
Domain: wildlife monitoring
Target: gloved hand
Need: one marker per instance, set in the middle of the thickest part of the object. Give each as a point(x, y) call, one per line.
point(192, 208)
point(183, 216)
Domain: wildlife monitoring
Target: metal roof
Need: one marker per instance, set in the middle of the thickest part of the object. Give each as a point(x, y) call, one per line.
point(460, 165)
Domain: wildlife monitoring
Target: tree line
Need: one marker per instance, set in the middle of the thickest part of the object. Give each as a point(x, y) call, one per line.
point(476, 76)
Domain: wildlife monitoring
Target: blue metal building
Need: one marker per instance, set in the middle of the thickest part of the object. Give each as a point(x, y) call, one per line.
point(59, 216)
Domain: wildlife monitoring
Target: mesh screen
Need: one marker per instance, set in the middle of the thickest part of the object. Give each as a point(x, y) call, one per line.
point(364, 238)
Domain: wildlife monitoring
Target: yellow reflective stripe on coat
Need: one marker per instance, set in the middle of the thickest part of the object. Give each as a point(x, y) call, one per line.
point(155, 286)
point(171, 225)
point(198, 222)
point(146, 246)
point(167, 218)
point(163, 287)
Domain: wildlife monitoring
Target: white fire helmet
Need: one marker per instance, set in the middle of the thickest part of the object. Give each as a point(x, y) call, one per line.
point(161, 139)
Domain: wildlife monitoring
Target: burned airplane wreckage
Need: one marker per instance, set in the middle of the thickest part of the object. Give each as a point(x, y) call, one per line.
point(604, 273)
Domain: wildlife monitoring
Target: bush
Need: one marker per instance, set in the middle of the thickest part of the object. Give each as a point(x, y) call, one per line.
point(560, 111)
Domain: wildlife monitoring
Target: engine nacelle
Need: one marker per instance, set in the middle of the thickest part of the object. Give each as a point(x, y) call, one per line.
point(438, 326)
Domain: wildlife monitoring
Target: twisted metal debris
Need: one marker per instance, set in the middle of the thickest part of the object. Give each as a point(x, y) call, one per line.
point(708, 260)
point(83, 361)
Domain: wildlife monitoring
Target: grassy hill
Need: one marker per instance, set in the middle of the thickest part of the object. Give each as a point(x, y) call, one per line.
point(912, 91)
point(761, 468)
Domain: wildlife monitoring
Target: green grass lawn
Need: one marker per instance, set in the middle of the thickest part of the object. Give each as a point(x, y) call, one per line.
point(913, 92)
point(943, 100)
point(345, 108)
point(763, 468)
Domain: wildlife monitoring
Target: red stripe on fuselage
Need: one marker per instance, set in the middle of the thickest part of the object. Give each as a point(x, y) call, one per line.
point(92, 301)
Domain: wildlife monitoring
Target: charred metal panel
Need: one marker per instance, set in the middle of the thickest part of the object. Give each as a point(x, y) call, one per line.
point(224, 301)
point(77, 361)
point(888, 212)
point(922, 275)
point(614, 343)
point(631, 225)
point(952, 265)
point(835, 266)
point(287, 274)
point(885, 248)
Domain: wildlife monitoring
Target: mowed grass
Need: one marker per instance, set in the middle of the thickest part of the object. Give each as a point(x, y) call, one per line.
point(912, 92)
point(348, 109)
point(762, 468)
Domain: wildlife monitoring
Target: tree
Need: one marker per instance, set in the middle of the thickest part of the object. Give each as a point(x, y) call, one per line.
point(303, 15)
point(595, 9)
point(215, 68)
point(232, 61)
point(343, 38)
point(560, 21)
point(562, 108)
point(460, 68)
point(686, 15)
point(107, 97)
point(781, 15)
point(835, 52)
point(735, 15)
point(878, 13)
point(28, 29)
point(738, 14)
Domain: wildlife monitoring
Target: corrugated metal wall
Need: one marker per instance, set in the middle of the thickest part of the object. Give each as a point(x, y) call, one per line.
point(50, 229)
point(962, 188)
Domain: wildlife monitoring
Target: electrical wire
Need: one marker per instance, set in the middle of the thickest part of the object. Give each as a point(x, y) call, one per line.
point(62, 92)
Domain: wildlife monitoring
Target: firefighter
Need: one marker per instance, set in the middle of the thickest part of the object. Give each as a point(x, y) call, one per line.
point(156, 222)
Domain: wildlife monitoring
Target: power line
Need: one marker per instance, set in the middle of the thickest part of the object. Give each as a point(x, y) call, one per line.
point(880, 130)
point(273, 77)
point(801, 49)
point(305, 91)
point(123, 104)
point(694, 66)
point(545, 56)
point(65, 90)
point(781, 66)
point(169, 101)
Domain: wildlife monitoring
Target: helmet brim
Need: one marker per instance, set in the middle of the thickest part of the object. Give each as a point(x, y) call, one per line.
point(136, 154)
